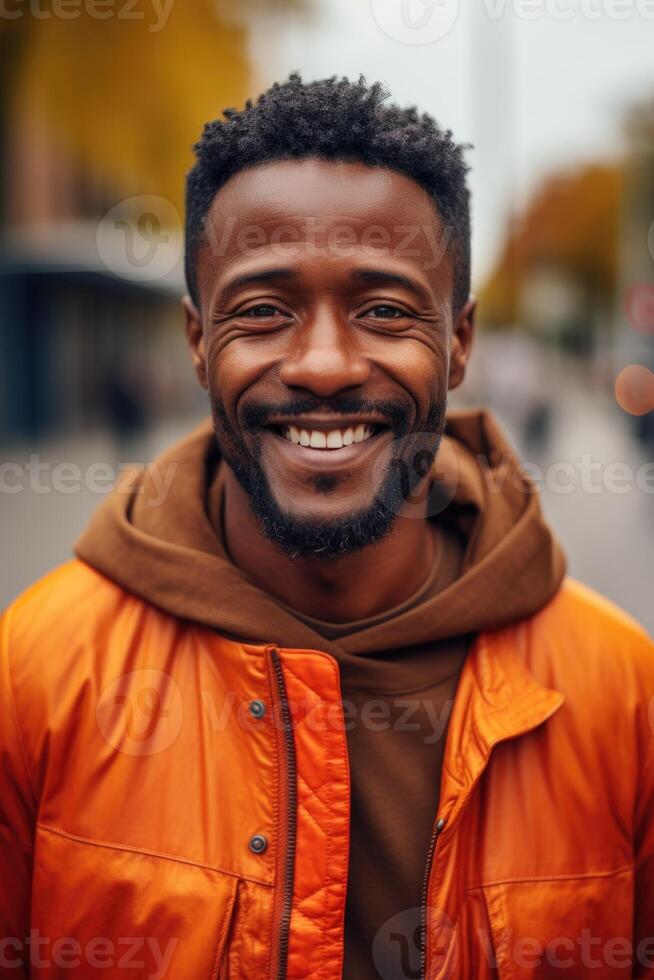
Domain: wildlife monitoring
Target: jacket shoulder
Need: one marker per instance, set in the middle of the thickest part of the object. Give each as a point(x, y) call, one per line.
point(64, 598)
point(62, 641)
point(577, 603)
point(64, 621)
point(583, 634)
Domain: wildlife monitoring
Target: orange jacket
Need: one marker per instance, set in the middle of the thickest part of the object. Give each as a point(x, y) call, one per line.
point(174, 803)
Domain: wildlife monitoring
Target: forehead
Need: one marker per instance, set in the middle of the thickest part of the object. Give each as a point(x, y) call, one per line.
point(329, 211)
point(286, 188)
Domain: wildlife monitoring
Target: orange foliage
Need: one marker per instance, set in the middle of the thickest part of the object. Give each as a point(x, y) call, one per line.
point(571, 223)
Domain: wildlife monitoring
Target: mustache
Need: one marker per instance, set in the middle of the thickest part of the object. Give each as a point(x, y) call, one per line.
point(397, 414)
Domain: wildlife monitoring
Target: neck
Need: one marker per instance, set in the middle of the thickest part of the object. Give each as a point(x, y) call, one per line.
point(339, 590)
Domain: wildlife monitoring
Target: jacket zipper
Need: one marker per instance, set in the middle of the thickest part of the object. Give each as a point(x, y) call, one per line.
point(436, 832)
point(291, 819)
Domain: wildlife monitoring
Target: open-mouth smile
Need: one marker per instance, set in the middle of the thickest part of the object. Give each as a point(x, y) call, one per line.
point(336, 438)
point(322, 444)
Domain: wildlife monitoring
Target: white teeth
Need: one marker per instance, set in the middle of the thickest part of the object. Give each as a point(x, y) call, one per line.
point(318, 440)
point(334, 439)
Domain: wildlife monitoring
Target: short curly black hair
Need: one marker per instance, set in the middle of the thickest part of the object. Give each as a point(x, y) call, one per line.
point(333, 119)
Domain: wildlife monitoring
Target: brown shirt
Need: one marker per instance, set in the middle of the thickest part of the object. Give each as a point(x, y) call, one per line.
point(396, 706)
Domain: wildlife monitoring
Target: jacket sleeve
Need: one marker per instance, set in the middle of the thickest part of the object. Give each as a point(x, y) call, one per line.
point(644, 816)
point(16, 826)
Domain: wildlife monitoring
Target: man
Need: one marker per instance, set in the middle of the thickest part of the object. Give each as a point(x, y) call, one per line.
point(316, 698)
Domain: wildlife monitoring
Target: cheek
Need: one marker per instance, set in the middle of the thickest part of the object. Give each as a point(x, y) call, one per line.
point(421, 369)
point(233, 369)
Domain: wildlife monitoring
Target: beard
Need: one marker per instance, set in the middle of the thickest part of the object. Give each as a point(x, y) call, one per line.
point(412, 456)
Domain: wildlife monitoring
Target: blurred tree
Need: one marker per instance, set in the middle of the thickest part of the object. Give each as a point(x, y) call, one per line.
point(571, 226)
point(121, 90)
point(12, 45)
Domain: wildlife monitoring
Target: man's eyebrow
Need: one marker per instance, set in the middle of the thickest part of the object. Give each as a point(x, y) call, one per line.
point(255, 278)
point(385, 276)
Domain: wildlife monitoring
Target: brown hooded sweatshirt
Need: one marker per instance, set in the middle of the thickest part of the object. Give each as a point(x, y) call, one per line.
point(496, 561)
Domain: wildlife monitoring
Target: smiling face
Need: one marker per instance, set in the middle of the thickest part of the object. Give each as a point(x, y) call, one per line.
point(326, 339)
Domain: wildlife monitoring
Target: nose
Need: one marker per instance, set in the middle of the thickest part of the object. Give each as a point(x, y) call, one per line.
point(327, 357)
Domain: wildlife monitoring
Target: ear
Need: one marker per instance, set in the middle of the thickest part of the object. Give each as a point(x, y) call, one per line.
point(462, 334)
point(195, 338)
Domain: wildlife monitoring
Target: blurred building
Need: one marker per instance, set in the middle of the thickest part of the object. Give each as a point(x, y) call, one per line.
point(97, 121)
point(84, 345)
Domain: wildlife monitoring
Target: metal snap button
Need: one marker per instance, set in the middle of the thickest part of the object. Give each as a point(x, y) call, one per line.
point(257, 708)
point(258, 843)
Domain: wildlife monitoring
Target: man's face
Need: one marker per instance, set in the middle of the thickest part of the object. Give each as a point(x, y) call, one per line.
point(326, 339)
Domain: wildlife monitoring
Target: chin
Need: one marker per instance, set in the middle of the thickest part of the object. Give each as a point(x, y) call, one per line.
point(316, 534)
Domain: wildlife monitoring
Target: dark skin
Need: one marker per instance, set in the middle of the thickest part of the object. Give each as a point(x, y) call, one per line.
point(338, 303)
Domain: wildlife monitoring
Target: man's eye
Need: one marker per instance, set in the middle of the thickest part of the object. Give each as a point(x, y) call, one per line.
point(261, 311)
point(384, 311)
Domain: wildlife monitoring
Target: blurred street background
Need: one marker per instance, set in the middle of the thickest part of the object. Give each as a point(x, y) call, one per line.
point(100, 104)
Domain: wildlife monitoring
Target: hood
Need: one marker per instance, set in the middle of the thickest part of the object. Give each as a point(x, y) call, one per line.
point(154, 537)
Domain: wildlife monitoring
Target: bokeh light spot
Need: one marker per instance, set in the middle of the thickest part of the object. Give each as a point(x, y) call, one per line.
point(634, 389)
point(640, 307)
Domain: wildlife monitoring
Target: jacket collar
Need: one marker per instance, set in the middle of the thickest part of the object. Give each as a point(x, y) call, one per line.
point(497, 698)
